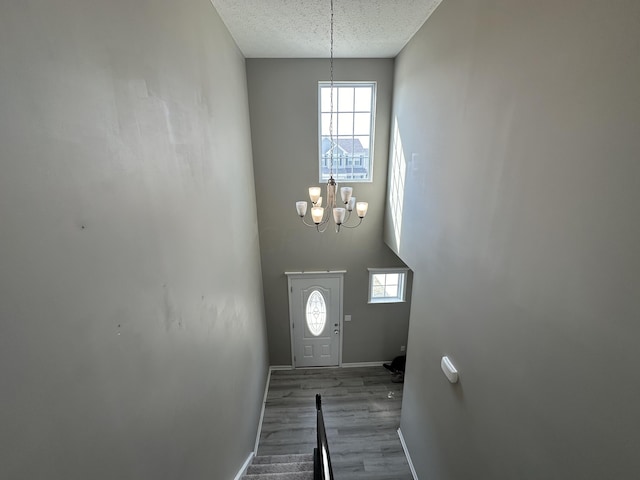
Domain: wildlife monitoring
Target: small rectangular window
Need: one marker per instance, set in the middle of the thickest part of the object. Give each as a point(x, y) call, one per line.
point(387, 285)
point(347, 134)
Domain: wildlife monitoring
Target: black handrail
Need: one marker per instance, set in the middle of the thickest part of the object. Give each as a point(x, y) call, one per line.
point(321, 458)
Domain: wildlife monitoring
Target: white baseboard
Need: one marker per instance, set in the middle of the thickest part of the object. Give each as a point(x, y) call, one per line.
point(280, 367)
point(244, 467)
point(273, 368)
point(408, 455)
point(365, 364)
point(264, 401)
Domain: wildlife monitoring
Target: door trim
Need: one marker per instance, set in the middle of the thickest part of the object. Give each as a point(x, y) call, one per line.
point(339, 274)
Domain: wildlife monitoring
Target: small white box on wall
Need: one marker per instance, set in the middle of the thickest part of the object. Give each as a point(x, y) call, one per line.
point(449, 370)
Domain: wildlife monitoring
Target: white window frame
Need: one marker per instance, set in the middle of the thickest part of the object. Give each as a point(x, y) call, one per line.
point(374, 88)
point(403, 272)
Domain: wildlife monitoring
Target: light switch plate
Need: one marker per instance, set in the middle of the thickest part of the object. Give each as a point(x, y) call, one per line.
point(347, 318)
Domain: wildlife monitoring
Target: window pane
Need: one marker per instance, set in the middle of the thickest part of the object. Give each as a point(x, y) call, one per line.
point(345, 124)
point(346, 145)
point(391, 291)
point(326, 146)
point(392, 279)
point(345, 99)
point(363, 99)
point(326, 118)
point(325, 105)
point(325, 99)
point(364, 140)
point(362, 124)
point(377, 291)
point(366, 166)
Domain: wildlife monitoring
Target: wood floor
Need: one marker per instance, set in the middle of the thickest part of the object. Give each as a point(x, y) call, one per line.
point(361, 408)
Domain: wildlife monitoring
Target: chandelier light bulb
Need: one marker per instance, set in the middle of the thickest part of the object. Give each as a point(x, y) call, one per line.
point(351, 204)
point(301, 207)
point(338, 215)
point(316, 214)
point(361, 209)
point(346, 193)
point(314, 194)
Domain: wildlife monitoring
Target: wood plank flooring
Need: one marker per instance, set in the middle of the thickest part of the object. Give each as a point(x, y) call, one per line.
point(361, 409)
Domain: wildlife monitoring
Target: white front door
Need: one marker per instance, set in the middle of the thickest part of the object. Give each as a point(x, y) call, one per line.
point(315, 309)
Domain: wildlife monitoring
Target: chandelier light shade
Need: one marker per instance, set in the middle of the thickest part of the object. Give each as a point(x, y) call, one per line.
point(321, 216)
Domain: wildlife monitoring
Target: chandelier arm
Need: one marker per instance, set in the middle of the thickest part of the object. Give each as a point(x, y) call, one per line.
point(353, 226)
point(346, 220)
point(307, 224)
point(320, 225)
point(325, 217)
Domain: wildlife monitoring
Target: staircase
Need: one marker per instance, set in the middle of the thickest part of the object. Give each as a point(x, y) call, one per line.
point(281, 467)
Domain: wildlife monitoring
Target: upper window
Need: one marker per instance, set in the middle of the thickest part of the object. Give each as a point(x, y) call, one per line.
point(387, 285)
point(351, 144)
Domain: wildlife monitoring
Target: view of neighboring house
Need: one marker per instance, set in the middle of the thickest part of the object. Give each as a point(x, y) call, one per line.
point(350, 159)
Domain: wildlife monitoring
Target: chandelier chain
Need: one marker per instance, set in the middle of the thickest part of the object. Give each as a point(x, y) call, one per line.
point(331, 145)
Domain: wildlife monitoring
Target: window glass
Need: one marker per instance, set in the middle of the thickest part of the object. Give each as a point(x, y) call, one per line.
point(391, 291)
point(353, 127)
point(361, 124)
point(362, 99)
point(345, 124)
point(316, 313)
point(345, 99)
point(387, 285)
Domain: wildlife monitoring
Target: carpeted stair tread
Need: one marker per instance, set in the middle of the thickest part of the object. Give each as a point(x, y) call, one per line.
point(280, 467)
point(280, 476)
point(297, 457)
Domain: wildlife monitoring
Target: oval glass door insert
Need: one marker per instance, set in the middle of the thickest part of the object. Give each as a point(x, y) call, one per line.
point(316, 313)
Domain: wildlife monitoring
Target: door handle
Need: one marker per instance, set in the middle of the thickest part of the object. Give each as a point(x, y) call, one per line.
point(336, 331)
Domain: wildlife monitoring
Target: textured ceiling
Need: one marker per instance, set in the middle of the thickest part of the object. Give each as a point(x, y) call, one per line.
point(300, 28)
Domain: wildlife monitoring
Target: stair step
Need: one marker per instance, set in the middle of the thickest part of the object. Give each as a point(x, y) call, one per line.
point(280, 467)
point(280, 476)
point(299, 457)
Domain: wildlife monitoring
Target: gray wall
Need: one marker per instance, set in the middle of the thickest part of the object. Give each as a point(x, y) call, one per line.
point(132, 333)
point(520, 123)
point(284, 130)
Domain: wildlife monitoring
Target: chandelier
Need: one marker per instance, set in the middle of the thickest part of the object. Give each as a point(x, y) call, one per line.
point(320, 215)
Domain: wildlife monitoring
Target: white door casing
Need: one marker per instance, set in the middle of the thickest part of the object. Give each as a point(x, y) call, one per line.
point(315, 315)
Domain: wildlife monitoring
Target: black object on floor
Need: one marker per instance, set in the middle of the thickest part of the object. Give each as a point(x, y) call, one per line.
point(397, 365)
